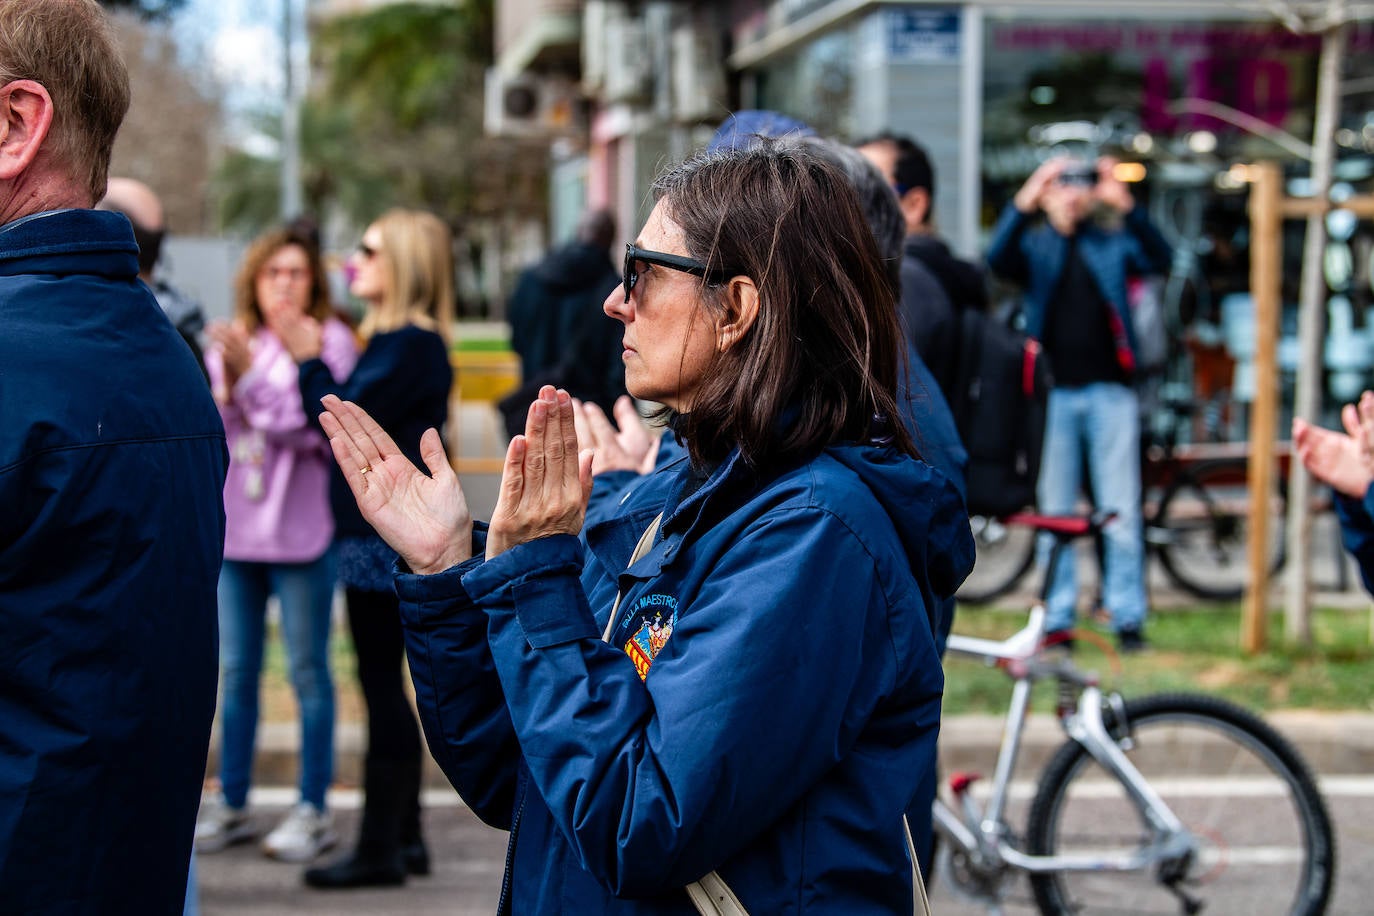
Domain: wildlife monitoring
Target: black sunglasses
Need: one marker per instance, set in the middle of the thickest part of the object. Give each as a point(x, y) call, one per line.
point(687, 265)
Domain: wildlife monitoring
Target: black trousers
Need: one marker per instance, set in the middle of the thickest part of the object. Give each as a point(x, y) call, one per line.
point(374, 618)
point(393, 734)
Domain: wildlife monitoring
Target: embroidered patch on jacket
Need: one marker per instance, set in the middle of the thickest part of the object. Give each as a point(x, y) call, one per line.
point(654, 630)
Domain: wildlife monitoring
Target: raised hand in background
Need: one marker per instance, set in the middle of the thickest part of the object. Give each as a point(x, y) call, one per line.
point(1345, 461)
point(625, 445)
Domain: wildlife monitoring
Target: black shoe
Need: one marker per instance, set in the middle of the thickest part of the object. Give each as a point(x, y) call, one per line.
point(1131, 641)
point(357, 871)
point(416, 858)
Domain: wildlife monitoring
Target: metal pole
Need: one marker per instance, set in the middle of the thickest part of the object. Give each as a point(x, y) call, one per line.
point(1307, 397)
point(1266, 252)
point(291, 205)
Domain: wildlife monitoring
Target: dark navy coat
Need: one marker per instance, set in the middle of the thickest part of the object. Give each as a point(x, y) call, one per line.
point(112, 463)
point(766, 705)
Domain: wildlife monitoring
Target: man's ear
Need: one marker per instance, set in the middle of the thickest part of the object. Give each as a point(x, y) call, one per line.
point(26, 116)
point(741, 310)
point(915, 208)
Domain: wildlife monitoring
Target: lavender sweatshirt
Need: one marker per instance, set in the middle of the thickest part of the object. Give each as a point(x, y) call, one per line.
point(276, 497)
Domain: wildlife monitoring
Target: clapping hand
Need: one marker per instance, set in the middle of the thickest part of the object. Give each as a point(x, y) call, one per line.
point(546, 481)
point(423, 517)
point(301, 335)
point(1345, 461)
point(625, 445)
point(235, 348)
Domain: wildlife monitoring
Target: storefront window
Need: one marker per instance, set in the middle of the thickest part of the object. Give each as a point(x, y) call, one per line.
point(1194, 103)
point(817, 81)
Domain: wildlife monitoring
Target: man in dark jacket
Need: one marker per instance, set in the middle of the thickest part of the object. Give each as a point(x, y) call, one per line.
point(936, 285)
point(1074, 274)
point(558, 328)
point(112, 463)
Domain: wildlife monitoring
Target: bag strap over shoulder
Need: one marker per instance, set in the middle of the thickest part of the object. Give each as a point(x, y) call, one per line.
point(646, 540)
point(710, 894)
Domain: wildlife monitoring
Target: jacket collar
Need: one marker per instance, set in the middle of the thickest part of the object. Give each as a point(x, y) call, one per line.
point(70, 241)
point(685, 510)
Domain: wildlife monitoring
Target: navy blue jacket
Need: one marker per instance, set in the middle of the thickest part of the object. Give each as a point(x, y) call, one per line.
point(112, 464)
point(927, 417)
point(402, 380)
point(1357, 532)
point(1033, 257)
point(767, 702)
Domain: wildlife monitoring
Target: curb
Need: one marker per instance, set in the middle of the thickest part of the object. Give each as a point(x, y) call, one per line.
point(1333, 743)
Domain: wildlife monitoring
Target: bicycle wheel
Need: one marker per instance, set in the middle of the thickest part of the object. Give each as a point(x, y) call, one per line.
point(1005, 554)
point(1202, 527)
point(1264, 839)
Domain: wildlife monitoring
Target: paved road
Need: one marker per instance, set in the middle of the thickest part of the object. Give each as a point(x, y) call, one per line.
point(469, 857)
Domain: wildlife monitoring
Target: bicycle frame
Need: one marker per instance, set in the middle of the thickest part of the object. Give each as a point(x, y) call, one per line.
point(980, 832)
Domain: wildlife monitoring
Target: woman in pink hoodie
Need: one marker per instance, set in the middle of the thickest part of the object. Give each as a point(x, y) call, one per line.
point(277, 539)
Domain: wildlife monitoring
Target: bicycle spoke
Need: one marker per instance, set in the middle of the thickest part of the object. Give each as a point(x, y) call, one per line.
point(1257, 824)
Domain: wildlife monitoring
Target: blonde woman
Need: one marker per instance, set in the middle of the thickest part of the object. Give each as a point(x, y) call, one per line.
point(403, 270)
point(278, 532)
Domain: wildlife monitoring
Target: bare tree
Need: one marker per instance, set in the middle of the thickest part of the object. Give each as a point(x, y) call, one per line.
point(170, 137)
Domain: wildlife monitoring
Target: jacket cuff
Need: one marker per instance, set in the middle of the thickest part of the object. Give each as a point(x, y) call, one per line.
point(429, 599)
point(1354, 512)
point(539, 582)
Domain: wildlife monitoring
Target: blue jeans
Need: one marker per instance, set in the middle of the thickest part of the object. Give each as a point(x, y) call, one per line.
point(192, 905)
point(1102, 422)
point(306, 592)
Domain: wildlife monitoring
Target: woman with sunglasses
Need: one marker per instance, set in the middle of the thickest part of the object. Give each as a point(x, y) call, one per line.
point(403, 271)
point(278, 531)
point(733, 682)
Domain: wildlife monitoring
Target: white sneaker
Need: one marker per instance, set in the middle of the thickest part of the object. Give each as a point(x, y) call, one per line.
point(306, 832)
point(219, 826)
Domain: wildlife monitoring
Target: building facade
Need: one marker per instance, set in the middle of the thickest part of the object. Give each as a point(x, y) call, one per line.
point(1191, 91)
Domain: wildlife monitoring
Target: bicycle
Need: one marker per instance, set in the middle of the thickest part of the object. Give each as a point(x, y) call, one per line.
point(1197, 527)
point(1150, 805)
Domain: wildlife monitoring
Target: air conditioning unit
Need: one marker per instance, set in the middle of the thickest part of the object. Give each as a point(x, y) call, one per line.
point(699, 92)
point(531, 105)
point(629, 77)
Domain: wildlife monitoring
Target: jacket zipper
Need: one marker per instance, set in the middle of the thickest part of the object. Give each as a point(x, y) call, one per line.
point(503, 907)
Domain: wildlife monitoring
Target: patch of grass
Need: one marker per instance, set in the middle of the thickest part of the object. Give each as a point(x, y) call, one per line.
point(485, 337)
point(1192, 649)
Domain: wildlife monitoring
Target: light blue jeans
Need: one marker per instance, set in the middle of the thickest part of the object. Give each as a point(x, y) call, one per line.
point(192, 905)
point(1102, 422)
point(306, 592)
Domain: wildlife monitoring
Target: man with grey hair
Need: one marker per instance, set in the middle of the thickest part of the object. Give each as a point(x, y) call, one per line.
point(112, 463)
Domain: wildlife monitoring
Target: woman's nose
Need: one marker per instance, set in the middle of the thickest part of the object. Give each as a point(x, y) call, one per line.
point(616, 305)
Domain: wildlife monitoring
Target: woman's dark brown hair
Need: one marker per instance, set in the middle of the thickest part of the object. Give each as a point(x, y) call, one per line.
point(821, 361)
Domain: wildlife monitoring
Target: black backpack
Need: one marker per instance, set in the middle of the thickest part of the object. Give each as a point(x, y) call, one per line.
point(999, 401)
